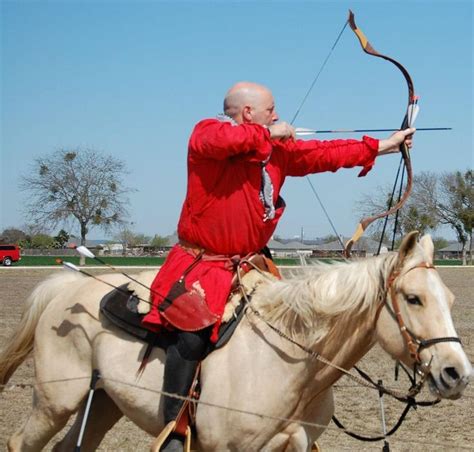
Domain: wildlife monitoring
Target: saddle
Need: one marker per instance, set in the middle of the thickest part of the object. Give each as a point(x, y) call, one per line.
point(119, 307)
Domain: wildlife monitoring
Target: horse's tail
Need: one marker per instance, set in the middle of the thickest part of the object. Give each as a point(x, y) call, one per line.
point(21, 342)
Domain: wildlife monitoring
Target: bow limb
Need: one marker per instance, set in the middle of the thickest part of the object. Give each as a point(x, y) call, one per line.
point(409, 115)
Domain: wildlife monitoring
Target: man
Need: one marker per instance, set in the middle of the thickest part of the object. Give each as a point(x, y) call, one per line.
point(237, 164)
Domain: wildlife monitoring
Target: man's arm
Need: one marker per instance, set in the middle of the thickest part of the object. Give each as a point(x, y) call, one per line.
point(305, 157)
point(219, 140)
point(285, 131)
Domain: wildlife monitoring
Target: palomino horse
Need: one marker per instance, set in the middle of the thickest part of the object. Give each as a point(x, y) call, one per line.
point(338, 310)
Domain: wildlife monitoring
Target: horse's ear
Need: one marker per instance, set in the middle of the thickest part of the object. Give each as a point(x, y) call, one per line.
point(407, 246)
point(427, 244)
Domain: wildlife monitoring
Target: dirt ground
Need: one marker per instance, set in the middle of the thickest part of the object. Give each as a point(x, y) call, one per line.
point(446, 426)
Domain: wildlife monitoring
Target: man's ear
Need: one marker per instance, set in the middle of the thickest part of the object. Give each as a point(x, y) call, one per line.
point(247, 113)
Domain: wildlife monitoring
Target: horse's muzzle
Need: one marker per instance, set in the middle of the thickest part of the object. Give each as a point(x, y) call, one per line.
point(449, 383)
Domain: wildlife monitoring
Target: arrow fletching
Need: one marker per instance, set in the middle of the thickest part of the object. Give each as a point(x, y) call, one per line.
point(71, 266)
point(301, 131)
point(83, 251)
point(413, 111)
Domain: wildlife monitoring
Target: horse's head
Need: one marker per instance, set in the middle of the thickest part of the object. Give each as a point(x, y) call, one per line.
point(415, 324)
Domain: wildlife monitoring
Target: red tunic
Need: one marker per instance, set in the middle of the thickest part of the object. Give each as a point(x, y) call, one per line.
point(223, 212)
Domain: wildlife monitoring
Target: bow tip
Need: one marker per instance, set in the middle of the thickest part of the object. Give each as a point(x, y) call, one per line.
point(350, 18)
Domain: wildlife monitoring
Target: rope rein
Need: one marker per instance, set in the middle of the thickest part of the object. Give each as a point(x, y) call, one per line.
point(365, 381)
point(410, 340)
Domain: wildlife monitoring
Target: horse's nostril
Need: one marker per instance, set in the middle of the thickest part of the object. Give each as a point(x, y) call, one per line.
point(452, 372)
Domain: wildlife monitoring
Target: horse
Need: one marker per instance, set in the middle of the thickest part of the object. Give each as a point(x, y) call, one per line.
point(337, 310)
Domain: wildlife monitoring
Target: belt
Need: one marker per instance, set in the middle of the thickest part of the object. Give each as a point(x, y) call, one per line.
point(246, 263)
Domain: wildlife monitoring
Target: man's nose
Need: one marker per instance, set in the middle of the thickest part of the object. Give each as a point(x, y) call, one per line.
point(275, 117)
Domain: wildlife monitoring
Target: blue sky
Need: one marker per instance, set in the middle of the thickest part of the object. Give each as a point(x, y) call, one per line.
point(131, 78)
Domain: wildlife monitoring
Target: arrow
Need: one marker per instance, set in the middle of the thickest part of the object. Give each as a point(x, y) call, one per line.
point(302, 131)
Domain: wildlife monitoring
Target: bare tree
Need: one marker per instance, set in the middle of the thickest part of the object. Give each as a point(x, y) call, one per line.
point(82, 186)
point(419, 212)
point(456, 207)
point(129, 238)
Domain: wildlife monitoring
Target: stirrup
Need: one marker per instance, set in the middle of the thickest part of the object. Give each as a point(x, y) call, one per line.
point(169, 428)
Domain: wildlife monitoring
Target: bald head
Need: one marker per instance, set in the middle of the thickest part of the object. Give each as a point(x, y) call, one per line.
point(250, 102)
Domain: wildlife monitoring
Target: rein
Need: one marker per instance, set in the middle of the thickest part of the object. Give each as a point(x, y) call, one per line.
point(413, 342)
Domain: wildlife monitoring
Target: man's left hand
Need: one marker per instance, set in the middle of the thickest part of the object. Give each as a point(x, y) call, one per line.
point(392, 144)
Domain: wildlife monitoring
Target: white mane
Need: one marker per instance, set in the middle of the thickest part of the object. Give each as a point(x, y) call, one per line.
point(306, 306)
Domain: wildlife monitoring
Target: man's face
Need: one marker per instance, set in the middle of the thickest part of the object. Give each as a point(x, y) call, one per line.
point(263, 110)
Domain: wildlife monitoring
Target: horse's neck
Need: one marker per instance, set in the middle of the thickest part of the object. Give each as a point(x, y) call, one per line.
point(349, 339)
point(346, 337)
point(343, 338)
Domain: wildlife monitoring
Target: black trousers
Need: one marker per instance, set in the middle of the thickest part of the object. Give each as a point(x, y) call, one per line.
point(183, 355)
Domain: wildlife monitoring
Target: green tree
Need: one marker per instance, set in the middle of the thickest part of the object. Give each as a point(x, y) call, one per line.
point(43, 241)
point(159, 241)
point(82, 186)
point(13, 236)
point(62, 238)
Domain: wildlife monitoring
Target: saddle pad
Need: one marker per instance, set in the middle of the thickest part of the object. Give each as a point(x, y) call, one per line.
point(227, 329)
point(115, 306)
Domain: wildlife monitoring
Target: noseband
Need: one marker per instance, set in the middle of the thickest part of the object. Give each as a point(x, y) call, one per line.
point(413, 342)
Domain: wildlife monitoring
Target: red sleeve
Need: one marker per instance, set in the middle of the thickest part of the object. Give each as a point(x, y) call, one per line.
point(219, 140)
point(313, 156)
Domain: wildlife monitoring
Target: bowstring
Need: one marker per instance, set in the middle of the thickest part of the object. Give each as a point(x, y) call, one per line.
point(390, 203)
point(308, 92)
point(409, 119)
point(397, 213)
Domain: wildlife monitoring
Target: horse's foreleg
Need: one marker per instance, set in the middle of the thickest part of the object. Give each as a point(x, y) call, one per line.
point(103, 415)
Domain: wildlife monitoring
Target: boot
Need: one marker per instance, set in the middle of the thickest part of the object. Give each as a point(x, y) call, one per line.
point(179, 375)
point(182, 359)
point(174, 443)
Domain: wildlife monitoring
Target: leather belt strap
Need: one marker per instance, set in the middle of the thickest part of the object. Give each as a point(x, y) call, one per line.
point(191, 248)
point(246, 263)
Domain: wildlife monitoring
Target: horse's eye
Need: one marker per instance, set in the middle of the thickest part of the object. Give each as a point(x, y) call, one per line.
point(413, 299)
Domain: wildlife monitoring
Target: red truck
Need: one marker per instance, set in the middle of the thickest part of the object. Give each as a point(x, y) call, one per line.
point(9, 254)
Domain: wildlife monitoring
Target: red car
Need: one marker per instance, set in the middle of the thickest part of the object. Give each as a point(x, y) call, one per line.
point(9, 254)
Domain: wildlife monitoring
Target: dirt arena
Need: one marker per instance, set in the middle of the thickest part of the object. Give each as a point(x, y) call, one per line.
point(447, 426)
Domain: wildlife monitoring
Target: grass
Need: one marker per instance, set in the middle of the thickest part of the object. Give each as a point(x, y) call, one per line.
point(34, 261)
point(145, 261)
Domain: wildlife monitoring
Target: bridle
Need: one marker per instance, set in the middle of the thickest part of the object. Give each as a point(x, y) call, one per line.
point(413, 342)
